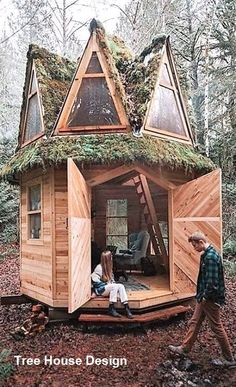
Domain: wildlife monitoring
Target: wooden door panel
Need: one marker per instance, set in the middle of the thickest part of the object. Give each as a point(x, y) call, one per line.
point(196, 207)
point(198, 198)
point(79, 227)
point(184, 255)
point(80, 267)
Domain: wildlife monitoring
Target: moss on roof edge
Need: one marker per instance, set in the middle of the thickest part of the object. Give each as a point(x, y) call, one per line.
point(107, 150)
point(54, 75)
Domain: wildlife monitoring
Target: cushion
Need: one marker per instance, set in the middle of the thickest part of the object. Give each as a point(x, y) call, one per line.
point(137, 245)
point(132, 239)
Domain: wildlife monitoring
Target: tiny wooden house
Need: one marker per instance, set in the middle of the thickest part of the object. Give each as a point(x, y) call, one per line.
point(106, 150)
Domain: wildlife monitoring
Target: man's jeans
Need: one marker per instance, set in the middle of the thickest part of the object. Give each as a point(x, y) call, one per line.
point(211, 311)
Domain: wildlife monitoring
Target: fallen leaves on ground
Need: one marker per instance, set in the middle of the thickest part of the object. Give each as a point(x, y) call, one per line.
point(148, 361)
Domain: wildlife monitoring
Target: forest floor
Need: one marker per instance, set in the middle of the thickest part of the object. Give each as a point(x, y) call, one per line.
point(149, 362)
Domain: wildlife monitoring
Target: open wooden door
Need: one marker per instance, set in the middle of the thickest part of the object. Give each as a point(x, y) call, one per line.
point(195, 206)
point(79, 227)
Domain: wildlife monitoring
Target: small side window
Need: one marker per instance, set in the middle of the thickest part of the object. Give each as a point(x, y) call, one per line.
point(34, 211)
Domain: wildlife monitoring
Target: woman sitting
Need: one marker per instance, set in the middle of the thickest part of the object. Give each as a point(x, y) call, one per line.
point(104, 285)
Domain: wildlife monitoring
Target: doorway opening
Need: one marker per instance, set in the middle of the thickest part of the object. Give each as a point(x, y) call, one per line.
point(130, 218)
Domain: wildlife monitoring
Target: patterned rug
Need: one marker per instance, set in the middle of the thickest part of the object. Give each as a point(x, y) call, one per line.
point(133, 284)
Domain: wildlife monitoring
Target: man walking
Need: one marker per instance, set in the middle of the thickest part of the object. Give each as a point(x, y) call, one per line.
point(210, 296)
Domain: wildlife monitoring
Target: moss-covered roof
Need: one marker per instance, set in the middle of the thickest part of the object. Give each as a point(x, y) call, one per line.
point(54, 75)
point(107, 149)
point(135, 80)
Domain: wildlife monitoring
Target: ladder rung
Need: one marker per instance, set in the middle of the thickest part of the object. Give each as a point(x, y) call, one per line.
point(139, 189)
point(142, 200)
point(136, 179)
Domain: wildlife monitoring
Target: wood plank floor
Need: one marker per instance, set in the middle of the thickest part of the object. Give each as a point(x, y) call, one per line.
point(158, 284)
point(158, 294)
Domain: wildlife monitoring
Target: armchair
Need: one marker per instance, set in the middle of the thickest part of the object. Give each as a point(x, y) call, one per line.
point(137, 251)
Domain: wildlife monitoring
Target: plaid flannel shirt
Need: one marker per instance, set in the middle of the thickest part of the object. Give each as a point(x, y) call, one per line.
point(210, 283)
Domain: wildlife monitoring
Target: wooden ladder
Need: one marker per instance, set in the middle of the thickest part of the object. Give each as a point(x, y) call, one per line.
point(145, 199)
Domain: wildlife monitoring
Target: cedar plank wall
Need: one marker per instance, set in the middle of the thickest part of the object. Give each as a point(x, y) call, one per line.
point(61, 237)
point(36, 256)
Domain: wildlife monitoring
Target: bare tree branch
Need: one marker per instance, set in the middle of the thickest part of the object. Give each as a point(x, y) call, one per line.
point(70, 5)
point(125, 13)
point(54, 13)
point(58, 7)
point(22, 27)
point(76, 29)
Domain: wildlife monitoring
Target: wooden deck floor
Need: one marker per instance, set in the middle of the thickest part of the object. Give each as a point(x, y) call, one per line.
point(158, 294)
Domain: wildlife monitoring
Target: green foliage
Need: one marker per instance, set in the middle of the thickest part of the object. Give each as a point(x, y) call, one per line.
point(230, 267)
point(119, 50)
point(230, 248)
point(9, 198)
point(230, 256)
point(6, 368)
point(229, 212)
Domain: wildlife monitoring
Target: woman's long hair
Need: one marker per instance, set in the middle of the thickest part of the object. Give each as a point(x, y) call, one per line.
point(106, 262)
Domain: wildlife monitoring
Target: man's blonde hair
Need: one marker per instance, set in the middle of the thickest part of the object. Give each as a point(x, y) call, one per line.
point(197, 236)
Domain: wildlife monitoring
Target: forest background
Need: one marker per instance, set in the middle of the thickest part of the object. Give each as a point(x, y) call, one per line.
point(203, 38)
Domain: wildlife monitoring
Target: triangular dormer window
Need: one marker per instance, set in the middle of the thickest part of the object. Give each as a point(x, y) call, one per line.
point(166, 116)
point(33, 120)
point(94, 66)
point(93, 104)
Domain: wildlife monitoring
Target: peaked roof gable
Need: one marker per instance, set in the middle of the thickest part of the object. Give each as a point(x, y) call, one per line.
point(166, 115)
point(32, 126)
point(93, 103)
point(53, 76)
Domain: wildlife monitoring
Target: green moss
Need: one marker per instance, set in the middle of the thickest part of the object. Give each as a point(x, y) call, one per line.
point(155, 46)
point(113, 72)
point(139, 79)
point(119, 50)
point(107, 149)
point(134, 81)
point(54, 75)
